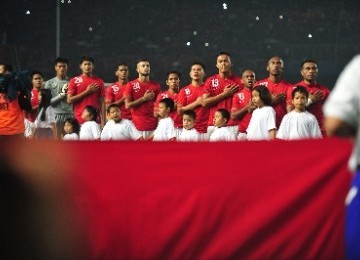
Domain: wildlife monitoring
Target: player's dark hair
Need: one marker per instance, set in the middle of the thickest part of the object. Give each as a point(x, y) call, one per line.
point(34, 72)
point(86, 58)
point(169, 103)
point(299, 89)
point(61, 60)
point(173, 72)
point(120, 64)
point(75, 124)
point(190, 113)
point(197, 63)
point(142, 60)
point(92, 111)
point(223, 53)
point(111, 106)
point(264, 94)
point(307, 61)
point(224, 113)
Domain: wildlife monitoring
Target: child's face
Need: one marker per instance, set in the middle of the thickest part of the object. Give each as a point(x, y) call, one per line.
point(115, 114)
point(86, 115)
point(255, 99)
point(219, 120)
point(68, 128)
point(188, 122)
point(299, 101)
point(163, 111)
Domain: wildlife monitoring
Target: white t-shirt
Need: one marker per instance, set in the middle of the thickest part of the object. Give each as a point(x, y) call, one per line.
point(29, 127)
point(298, 125)
point(344, 103)
point(222, 134)
point(124, 130)
point(261, 122)
point(165, 130)
point(49, 118)
point(189, 135)
point(89, 130)
point(72, 136)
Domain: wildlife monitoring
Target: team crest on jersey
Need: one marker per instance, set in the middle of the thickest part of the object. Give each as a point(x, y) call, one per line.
point(215, 84)
point(136, 86)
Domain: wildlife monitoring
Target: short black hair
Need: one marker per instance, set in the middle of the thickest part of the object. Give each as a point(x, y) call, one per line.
point(92, 111)
point(264, 94)
point(111, 106)
point(306, 61)
point(173, 72)
point(86, 58)
point(142, 60)
point(224, 113)
point(75, 124)
point(169, 103)
point(223, 53)
point(197, 63)
point(299, 89)
point(34, 72)
point(61, 60)
point(190, 113)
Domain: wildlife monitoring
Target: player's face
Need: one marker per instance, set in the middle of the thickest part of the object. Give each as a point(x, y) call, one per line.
point(115, 114)
point(248, 79)
point(37, 81)
point(219, 120)
point(223, 63)
point(309, 71)
point(143, 68)
point(87, 67)
point(173, 82)
point(255, 99)
point(197, 72)
point(275, 66)
point(68, 128)
point(188, 122)
point(299, 101)
point(61, 69)
point(163, 111)
point(122, 72)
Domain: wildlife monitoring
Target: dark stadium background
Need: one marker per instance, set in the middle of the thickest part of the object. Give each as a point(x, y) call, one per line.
point(126, 30)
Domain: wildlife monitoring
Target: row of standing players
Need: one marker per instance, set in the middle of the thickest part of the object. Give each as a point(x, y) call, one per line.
point(139, 99)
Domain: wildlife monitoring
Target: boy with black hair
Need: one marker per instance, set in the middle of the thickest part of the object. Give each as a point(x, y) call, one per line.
point(222, 131)
point(189, 133)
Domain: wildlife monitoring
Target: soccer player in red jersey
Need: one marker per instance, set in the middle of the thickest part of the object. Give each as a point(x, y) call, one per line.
point(114, 94)
point(242, 107)
point(140, 96)
point(191, 98)
point(317, 93)
point(173, 82)
point(37, 80)
point(220, 90)
point(277, 86)
point(87, 90)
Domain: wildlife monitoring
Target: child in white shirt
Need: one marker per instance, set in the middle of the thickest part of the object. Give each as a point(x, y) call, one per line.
point(45, 121)
point(71, 128)
point(89, 130)
point(118, 128)
point(165, 131)
point(189, 133)
point(262, 123)
point(222, 132)
point(299, 123)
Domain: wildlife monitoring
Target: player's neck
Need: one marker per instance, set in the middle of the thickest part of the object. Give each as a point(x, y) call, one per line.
point(143, 78)
point(310, 82)
point(196, 83)
point(87, 74)
point(275, 78)
point(61, 77)
point(122, 81)
point(225, 75)
point(172, 91)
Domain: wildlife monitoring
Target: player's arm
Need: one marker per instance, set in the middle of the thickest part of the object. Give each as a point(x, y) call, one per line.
point(191, 106)
point(337, 127)
point(240, 113)
point(272, 134)
point(92, 88)
point(130, 103)
point(103, 111)
point(229, 91)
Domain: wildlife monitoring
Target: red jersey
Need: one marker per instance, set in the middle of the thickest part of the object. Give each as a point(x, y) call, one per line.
point(115, 92)
point(277, 88)
point(34, 102)
point(11, 117)
point(78, 85)
point(315, 108)
point(240, 100)
point(143, 115)
point(215, 85)
point(188, 95)
point(174, 115)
